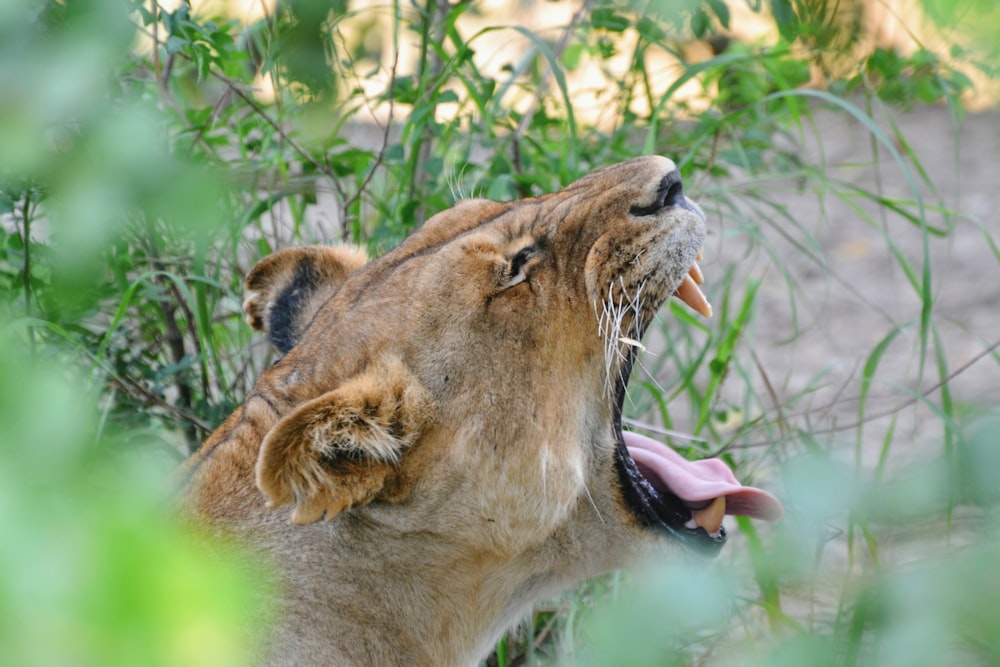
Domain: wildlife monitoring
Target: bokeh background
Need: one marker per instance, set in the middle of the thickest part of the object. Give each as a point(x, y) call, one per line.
point(151, 152)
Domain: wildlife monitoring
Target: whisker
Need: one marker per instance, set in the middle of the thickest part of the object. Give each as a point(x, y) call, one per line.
point(637, 425)
point(650, 376)
point(586, 490)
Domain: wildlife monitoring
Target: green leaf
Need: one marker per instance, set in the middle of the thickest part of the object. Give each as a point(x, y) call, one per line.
point(394, 153)
point(721, 11)
point(405, 90)
point(605, 18)
point(260, 207)
point(6, 203)
point(871, 365)
point(650, 30)
point(572, 55)
point(784, 16)
point(699, 23)
point(433, 166)
point(353, 161)
point(447, 97)
point(176, 44)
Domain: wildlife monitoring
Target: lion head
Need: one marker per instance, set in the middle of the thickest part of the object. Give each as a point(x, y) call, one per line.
point(484, 362)
point(458, 400)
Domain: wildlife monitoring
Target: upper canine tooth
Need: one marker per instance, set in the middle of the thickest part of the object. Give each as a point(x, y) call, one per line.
point(689, 293)
point(710, 518)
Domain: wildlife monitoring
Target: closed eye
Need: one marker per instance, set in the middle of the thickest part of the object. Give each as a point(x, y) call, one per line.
point(518, 265)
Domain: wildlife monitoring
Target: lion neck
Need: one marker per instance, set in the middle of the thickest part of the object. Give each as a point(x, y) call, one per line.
point(435, 596)
point(434, 601)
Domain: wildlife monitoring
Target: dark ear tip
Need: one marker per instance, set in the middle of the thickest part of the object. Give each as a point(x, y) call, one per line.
point(286, 289)
point(265, 272)
point(253, 311)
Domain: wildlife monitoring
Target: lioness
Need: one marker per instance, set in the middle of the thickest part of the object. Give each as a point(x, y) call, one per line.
point(452, 410)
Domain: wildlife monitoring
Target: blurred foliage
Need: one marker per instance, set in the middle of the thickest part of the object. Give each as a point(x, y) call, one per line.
point(96, 205)
point(936, 610)
point(144, 166)
point(94, 570)
point(975, 25)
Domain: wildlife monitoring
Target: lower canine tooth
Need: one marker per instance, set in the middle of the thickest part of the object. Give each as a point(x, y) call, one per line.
point(695, 272)
point(710, 518)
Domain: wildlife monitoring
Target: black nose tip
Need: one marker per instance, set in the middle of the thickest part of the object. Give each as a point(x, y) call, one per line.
point(670, 193)
point(672, 190)
point(674, 194)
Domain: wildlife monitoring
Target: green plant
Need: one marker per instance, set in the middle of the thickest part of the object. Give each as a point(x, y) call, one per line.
point(144, 171)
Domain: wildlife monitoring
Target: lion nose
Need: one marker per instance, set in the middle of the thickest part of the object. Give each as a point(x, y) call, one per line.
point(672, 190)
point(669, 194)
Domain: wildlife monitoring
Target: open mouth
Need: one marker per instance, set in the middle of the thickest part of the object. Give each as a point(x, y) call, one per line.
point(687, 499)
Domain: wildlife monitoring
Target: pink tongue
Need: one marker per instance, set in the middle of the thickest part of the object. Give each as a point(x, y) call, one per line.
point(698, 482)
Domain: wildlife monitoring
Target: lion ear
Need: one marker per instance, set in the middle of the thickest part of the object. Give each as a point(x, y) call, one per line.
point(285, 289)
point(343, 448)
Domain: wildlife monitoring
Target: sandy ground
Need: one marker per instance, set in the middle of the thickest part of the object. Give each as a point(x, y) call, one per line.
point(850, 294)
point(849, 289)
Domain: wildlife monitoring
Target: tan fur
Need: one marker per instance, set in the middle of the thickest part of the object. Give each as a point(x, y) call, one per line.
point(342, 449)
point(265, 282)
point(449, 410)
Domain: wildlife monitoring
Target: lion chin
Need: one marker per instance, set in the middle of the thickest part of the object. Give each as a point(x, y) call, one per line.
point(440, 445)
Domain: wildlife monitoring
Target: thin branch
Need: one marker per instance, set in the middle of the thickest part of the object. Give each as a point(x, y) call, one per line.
point(156, 41)
point(345, 234)
point(543, 84)
point(320, 166)
point(174, 336)
point(435, 12)
point(210, 121)
point(26, 273)
point(782, 422)
point(133, 388)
